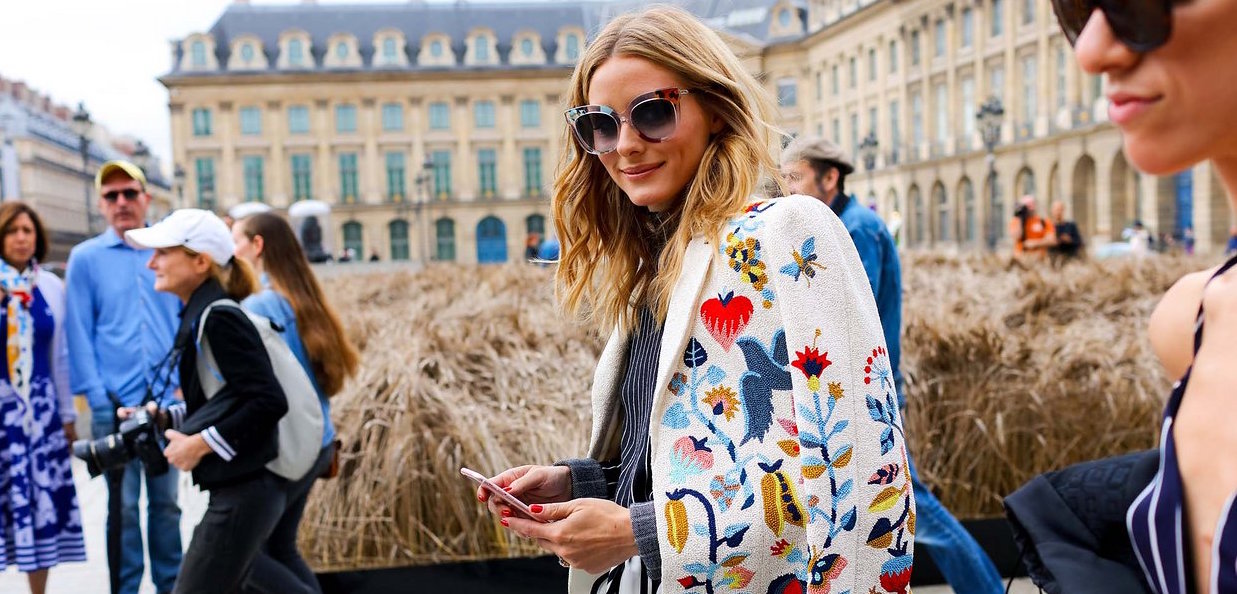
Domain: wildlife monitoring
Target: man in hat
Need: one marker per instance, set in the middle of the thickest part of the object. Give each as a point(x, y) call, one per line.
point(119, 332)
point(818, 168)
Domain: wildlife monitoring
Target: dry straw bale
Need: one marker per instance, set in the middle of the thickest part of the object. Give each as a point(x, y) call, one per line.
point(1009, 373)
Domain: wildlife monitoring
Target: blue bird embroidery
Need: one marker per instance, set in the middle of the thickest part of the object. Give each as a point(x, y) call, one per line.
point(766, 372)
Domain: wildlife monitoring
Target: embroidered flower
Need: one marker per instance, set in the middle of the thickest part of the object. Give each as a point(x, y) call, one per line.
point(737, 577)
point(896, 574)
point(876, 368)
point(781, 548)
point(723, 401)
point(745, 259)
point(724, 490)
point(835, 390)
point(690, 456)
point(812, 363)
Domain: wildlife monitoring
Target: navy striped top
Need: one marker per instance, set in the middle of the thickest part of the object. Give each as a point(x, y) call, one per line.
point(1156, 519)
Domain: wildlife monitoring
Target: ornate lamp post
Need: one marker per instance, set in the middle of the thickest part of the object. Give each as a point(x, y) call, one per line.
point(423, 179)
point(990, 115)
point(178, 176)
point(868, 149)
point(82, 126)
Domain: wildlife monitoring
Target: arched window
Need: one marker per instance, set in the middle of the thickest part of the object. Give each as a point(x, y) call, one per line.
point(398, 230)
point(341, 50)
point(198, 54)
point(1025, 183)
point(916, 234)
point(247, 53)
point(535, 224)
point(354, 240)
point(491, 240)
point(481, 48)
point(444, 233)
point(944, 218)
point(526, 47)
point(967, 192)
point(573, 47)
point(388, 49)
point(436, 48)
point(296, 52)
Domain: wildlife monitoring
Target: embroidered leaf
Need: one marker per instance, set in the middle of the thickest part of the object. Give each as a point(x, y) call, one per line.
point(839, 427)
point(809, 440)
point(843, 456)
point(697, 567)
point(695, 355)
point(886, 440)
point(790, 446)
point(715, 375)
point(789, 426)
point(881, 535)
point(845, 489)
point(885, 500)
point(735, 533)
point(891, 408)
point(875, 410)
point(734, 559)
point(676, 417)
point(884, 475)
point(910, 521)
point(751, 500)
point(848, 520)
point(677, 383)
point(807, 413)
point(676, 524)
point(814, 471)
point(701, 529)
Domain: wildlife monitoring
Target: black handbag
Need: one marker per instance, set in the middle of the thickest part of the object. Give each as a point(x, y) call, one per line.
point(1070, 525)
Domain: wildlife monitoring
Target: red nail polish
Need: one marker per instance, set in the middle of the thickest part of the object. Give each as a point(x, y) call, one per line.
point(506, 513)
point(504, 522)
point(507, 489)
point(481, 498)
point(536, 509)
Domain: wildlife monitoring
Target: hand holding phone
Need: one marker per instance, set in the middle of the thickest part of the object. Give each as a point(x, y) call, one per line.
point(493, 487)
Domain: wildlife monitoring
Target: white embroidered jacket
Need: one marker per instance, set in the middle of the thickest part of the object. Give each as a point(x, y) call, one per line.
point(777, 448)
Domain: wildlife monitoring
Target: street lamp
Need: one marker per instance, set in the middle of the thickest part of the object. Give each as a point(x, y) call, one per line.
point(141, 157)
point(867, 151)
point(423, 198)
point(82, 126)
point(990, 115)
point(178, 175)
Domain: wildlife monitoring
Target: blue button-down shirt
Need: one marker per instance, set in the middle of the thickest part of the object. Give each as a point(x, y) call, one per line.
point(119, 328)
point(880, 260)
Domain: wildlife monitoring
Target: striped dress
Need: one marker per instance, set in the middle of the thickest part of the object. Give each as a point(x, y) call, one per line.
point(1156, 519)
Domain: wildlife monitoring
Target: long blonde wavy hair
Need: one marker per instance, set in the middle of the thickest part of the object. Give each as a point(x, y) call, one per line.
point(605, 270)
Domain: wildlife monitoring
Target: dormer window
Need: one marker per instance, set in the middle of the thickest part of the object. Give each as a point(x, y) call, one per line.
point(783, 18)
point(198, 54)
point(481, 47)
point(436, 48)
point(388, 49)
point(526, 47)
point(573, 47)
point(296, 53)
point(341, 50)
point(247, 53)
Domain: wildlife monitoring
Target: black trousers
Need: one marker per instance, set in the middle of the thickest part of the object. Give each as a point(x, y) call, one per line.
point(238, 521)
point(279, 567)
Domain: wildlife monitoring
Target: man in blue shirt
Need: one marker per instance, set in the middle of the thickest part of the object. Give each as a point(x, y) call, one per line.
point(119, 331)
point(818, 168)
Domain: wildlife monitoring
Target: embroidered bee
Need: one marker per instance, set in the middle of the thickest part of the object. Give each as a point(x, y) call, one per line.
point(805, 262)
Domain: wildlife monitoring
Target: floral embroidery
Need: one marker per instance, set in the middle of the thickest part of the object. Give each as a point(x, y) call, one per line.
point(723, 401)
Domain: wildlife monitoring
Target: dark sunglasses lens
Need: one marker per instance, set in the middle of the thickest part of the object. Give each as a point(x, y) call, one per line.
point(115, 195)
point(654, 119)
point(1142, 25)
point(1072, 16)
point(598, 131)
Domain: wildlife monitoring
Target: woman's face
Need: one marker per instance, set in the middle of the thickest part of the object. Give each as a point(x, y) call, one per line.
point(19, 241)
point(246, 249)
point(1177, 104)
point(652, 174)
point(177, 272)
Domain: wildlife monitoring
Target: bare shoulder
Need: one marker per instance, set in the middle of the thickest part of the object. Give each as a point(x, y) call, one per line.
point(1172, 323)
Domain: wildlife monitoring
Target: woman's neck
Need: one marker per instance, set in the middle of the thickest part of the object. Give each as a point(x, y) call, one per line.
point(19, 266)
point(1226, 169)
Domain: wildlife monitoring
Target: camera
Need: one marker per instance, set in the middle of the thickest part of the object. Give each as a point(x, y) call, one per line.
point(138, 437)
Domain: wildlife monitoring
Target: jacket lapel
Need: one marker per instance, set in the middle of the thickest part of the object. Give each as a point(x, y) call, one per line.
point(607, 380)
point(680, 315)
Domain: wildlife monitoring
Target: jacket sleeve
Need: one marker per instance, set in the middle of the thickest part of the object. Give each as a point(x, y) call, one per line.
point(851, 443)
point(53, 290)
point(246, 369)
point(79, 330)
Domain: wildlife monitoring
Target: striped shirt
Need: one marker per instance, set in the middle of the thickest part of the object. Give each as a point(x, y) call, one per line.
point(636, 395)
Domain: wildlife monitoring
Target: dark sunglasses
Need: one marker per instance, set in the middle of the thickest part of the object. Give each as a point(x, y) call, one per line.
point(130, 194)
point(1142, 25)
point(653, 115)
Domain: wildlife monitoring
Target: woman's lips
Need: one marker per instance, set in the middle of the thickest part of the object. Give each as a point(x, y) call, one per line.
point(1124, 108)
point(640, 171)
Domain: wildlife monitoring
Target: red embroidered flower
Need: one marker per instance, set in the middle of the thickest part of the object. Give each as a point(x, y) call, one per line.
point(811, 361)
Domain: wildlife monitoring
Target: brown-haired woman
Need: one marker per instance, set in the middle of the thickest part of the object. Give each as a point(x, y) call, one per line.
point(41, 526)
point(292, 298)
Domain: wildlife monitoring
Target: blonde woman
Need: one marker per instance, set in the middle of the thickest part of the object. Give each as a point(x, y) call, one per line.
point(1170, 68)
point(745, 430)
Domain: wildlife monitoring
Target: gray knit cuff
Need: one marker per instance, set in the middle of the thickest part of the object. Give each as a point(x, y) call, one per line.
point(587, 479)
point(644, 525)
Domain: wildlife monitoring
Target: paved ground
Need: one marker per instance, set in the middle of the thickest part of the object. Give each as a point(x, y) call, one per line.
point(91, 577)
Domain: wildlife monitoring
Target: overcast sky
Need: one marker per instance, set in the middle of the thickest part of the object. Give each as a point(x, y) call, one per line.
point(106, 53)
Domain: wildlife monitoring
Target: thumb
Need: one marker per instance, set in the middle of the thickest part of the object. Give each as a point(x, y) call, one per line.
point(551, 512)
point(173, 435)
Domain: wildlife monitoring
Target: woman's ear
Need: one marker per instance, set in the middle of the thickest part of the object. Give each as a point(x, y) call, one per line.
point(716, 123)
point(258, 244)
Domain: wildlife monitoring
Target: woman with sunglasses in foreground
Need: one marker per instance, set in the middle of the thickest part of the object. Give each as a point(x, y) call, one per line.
point(1171, 70)
point(745, 430)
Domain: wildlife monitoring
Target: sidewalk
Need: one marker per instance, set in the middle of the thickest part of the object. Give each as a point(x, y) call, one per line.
point(91, 577)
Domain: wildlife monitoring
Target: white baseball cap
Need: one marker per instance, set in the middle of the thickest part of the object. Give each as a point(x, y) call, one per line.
point(198, 230)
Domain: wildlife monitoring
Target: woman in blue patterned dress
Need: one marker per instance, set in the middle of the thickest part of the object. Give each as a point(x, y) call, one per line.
point(1170, 69)
point(40, 525)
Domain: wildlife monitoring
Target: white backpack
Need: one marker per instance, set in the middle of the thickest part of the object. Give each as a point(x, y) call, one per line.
point(300, 429)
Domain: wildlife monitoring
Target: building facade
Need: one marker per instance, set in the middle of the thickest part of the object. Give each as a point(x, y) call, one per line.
point(434, 130)
point(41, 163)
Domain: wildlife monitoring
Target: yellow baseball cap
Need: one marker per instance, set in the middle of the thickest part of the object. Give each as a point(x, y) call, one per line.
point(129, 169)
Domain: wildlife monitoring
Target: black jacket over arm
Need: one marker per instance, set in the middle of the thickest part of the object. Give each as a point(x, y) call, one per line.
point(247, 408)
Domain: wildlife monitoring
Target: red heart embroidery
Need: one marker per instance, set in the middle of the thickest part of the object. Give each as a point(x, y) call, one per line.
point(725, 317)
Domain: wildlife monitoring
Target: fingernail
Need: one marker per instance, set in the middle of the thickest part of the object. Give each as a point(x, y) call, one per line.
point(536, 509)
point(507, 489)
point(506, 513)
point(504, 522)
point(481, 497)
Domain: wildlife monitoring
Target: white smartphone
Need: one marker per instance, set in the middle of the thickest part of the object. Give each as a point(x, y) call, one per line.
point(492, 487)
